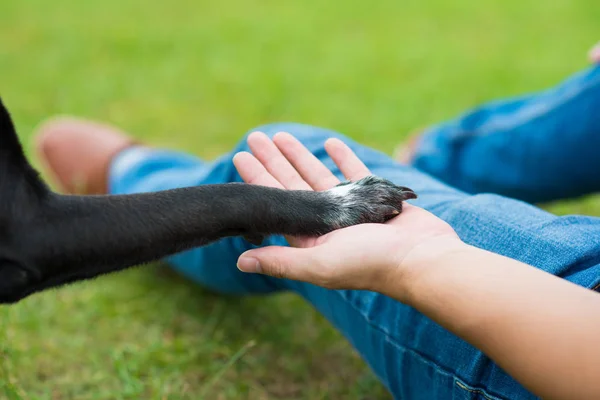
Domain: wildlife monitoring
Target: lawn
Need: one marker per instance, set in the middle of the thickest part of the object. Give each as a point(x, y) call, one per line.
point(196, 75)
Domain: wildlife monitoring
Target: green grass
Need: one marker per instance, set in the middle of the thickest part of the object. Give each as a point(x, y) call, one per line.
point(196, 75)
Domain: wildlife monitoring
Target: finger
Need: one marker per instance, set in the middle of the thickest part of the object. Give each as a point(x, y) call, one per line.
point(275, 163)
point(317, 175)
point(284, 263)
point(253, 172)
point(595, 54)
point(347, 161)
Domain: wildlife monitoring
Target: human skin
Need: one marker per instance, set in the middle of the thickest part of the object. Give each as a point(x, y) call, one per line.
point(540, 329)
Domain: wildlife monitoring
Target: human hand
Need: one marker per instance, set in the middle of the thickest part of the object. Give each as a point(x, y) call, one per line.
point(367, 256)
point(594, 53)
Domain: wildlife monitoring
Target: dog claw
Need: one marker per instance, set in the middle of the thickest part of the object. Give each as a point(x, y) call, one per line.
point(369, 200)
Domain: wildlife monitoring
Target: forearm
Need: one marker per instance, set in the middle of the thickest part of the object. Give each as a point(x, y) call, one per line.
point(541, 329)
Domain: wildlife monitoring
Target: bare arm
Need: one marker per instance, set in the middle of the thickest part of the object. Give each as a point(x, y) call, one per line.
point(542, 330)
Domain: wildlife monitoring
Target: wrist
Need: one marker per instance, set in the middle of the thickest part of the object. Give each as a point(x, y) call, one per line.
point(423, 259)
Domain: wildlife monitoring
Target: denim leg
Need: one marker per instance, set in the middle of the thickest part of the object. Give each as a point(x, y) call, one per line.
point(536, 148)
point(413, 356)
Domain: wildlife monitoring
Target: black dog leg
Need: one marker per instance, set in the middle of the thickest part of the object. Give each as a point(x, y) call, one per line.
point(48, 240)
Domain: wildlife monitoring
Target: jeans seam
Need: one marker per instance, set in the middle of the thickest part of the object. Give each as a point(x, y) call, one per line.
point(470, 389)
point(597, 287)
point(391, 339)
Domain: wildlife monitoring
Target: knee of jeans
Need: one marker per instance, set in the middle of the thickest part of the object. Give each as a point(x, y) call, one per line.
point(488, 211)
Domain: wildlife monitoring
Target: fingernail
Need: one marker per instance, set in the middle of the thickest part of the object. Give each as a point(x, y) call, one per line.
point(249, 264)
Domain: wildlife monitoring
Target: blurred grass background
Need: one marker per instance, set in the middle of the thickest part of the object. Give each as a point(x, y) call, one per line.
point(196, 75)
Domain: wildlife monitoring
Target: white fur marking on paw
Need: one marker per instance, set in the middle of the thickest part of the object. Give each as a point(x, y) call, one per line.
point(342, 191)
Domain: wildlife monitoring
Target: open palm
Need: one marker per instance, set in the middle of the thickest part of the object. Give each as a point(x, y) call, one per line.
point(359, 257)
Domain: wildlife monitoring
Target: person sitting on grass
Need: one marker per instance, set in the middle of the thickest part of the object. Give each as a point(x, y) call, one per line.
point(471, 292)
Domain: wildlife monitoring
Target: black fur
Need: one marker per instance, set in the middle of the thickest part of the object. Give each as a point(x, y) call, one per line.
point(48, 239)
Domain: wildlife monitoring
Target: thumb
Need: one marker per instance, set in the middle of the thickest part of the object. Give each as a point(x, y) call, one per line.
point(280, 262)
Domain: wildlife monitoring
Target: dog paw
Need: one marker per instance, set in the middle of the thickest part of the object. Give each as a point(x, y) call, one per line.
point(368, 200)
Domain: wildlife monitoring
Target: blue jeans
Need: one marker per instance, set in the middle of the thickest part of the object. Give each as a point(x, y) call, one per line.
point(536, 148)
point(413, 356)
